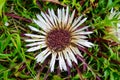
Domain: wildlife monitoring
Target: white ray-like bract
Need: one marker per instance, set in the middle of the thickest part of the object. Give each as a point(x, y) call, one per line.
point(58, 37)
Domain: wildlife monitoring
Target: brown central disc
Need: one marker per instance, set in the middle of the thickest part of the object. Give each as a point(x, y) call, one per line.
point(58, 39)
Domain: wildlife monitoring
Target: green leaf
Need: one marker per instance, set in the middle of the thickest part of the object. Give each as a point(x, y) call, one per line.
point(107, 73)
point(5, 55)
point(5, 43)
point(56, 77)
point(110, 3)
point(2, 68)
point(87, 75)
point(2, 2)
point(5, 75)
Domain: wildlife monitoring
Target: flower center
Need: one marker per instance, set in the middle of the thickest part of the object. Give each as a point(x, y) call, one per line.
point(58, 39)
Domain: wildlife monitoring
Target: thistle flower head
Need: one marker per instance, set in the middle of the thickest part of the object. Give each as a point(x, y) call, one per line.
point(58, 37)
point(115, 29)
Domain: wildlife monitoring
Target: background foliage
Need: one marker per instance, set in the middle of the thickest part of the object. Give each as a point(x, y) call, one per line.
point(16, 64)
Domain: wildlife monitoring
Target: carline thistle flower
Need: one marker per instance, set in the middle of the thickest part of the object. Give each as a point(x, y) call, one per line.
point(116, 14)
point(59, 37)
point(115, 30)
